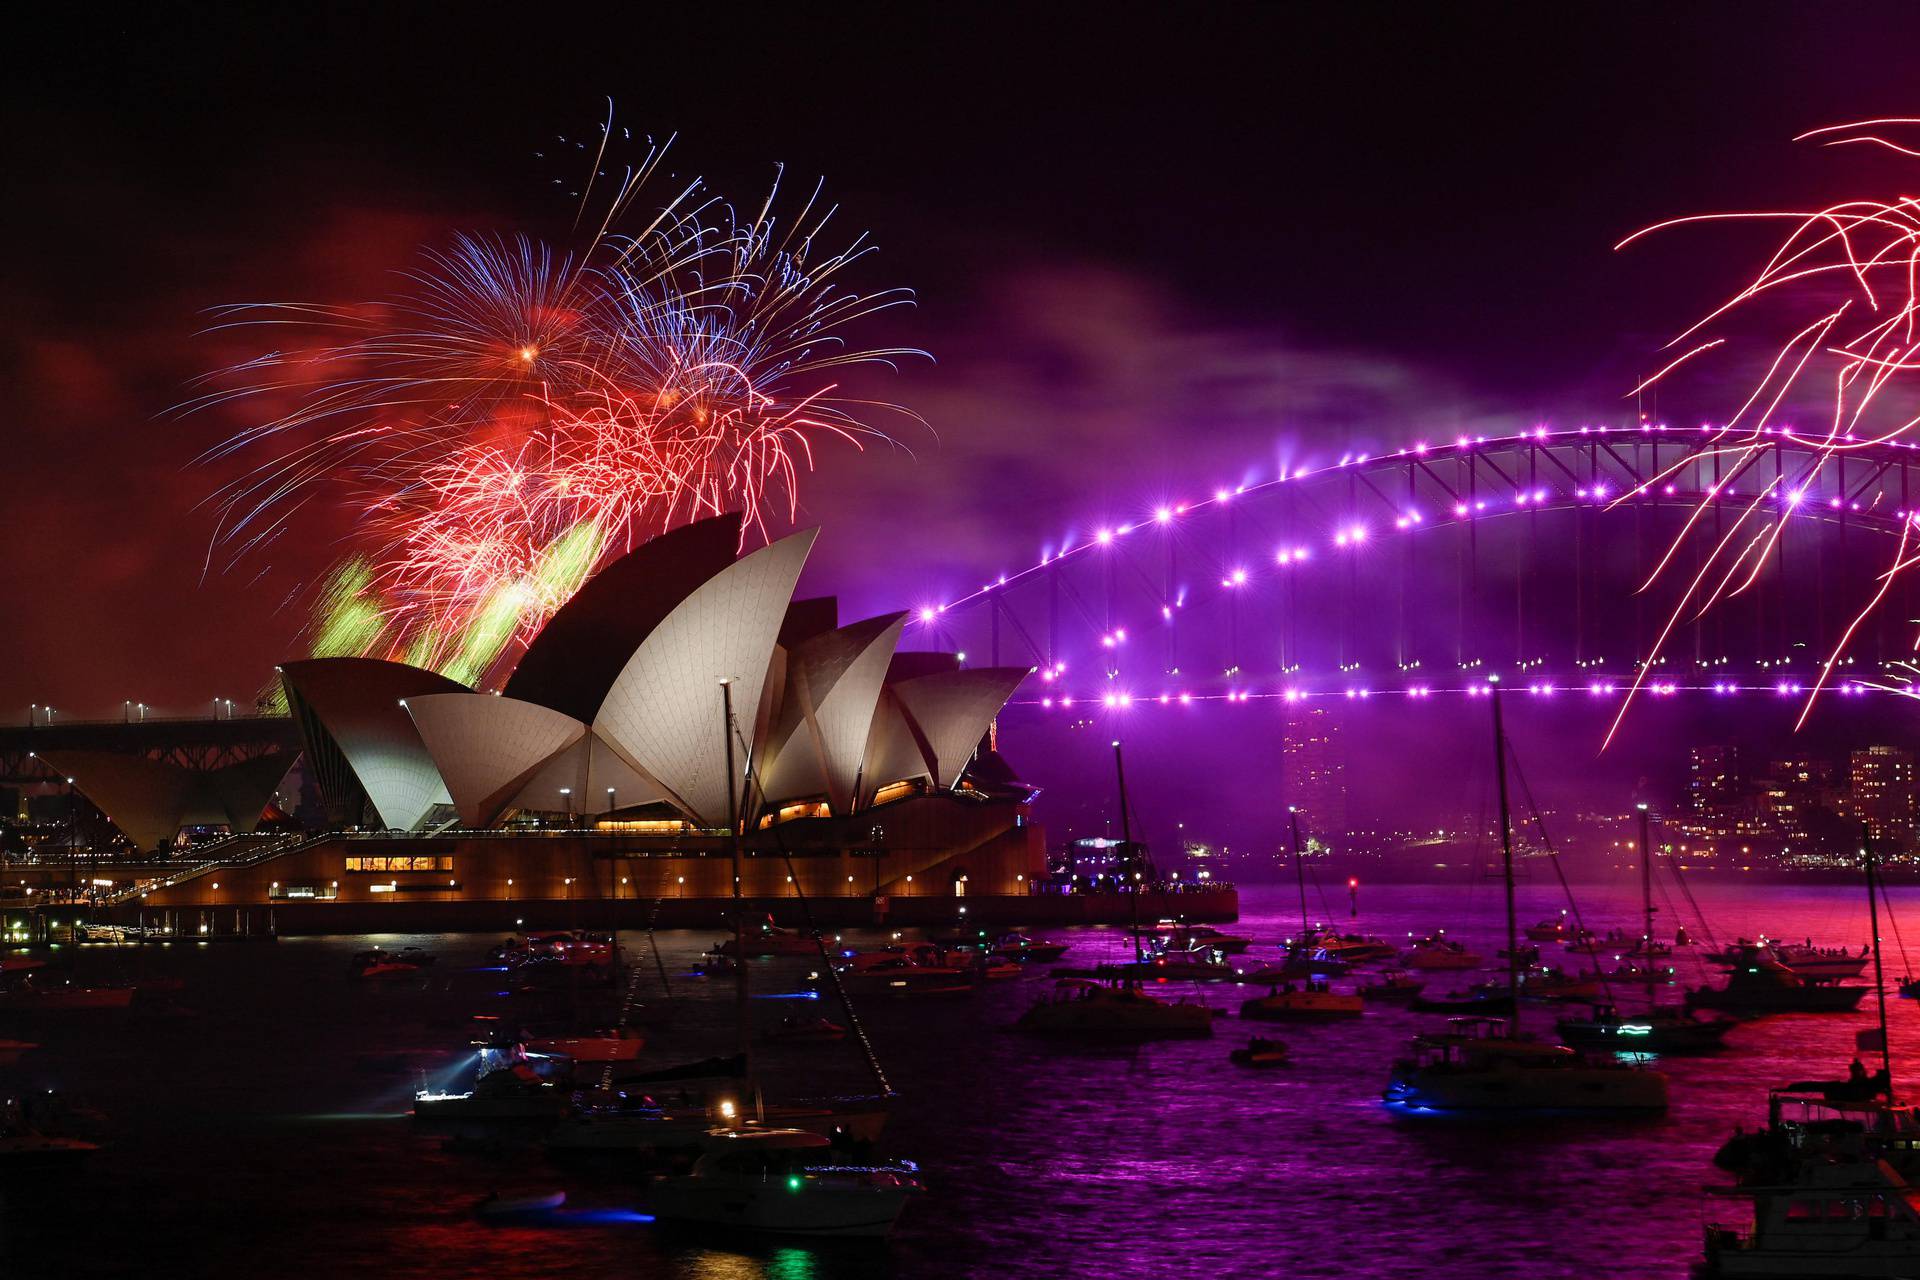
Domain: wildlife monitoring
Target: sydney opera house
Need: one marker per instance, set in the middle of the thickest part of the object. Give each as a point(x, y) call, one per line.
point(681, 695)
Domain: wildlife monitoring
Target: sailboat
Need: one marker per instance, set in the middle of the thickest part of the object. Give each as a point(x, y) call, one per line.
point(1659, 1029)
point(1484, 1067)
point(1120, 1010)
point(1828, 1179)
point(1312, 1000)
point(640, 1126)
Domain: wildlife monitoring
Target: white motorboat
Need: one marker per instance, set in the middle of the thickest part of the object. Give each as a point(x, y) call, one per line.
point(516, 1093)
point(1191, 937)
point(783, 1182)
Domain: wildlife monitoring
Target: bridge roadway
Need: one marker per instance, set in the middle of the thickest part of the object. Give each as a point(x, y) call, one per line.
point(199, 743)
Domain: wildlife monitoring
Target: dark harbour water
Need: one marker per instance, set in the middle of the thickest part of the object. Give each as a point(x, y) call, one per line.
point(257, 1129)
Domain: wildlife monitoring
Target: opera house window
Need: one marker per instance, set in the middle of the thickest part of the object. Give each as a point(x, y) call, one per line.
point(401, 862)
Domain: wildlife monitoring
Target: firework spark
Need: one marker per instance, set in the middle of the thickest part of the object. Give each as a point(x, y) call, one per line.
point(518, 413)
point(1847, 276)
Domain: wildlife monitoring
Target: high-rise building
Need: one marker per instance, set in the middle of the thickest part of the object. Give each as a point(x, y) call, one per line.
point(1715, 787)
point(1799, 800)
point(1314, 772)
point(1884, 796)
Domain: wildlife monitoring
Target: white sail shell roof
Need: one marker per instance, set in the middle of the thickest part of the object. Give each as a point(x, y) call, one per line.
point(951, 712)
point(833, 691)
point(663, 712)
point(358, 700)
point(486, 748)
point(893, 750)
point(595, 777)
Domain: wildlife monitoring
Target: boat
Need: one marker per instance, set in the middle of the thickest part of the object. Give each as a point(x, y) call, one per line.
point(1544, 982)
point(1259, 1052)
point(1657, 1029)
point(1026, 950)
point(512, 1093)
point(1819, 964)
point(1482, 1067)
point(1547, 930)
point(378, 964)
point(1118, 1010)
point(1827, 1121)
point(1438, 953)
point(1188, 937)
point(1170, 966)
point(641, 1125)
point(993, 967)
point(1353, 948)
point(1856, 1218)
point(783, 1182)
point(600, 1048)
point(1828, 1175)
point(530, 1205)
point(1766, 986)
point(572, 946)
point(767, 939)
point(1313, 961)
point(1479, 1068)
point(1395, 987)
point(1082, 1009)
point(1309, 1002)
point(893, 966)
point(1485, 1003)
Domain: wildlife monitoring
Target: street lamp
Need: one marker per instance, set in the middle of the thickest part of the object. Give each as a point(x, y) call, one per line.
point(566, 796)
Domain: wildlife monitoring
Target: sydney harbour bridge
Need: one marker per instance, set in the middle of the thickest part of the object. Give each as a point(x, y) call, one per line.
point(1420, 572)
point(1417, 573)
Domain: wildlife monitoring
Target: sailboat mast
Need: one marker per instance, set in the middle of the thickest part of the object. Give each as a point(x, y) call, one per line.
point(742, 1011)
point(1299, 869)
point(1126, 843)
point(1506, 854)
point(1646, 905)
point(1879, 978)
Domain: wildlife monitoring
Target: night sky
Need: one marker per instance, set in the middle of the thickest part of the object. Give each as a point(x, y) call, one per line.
point(1152, 245)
